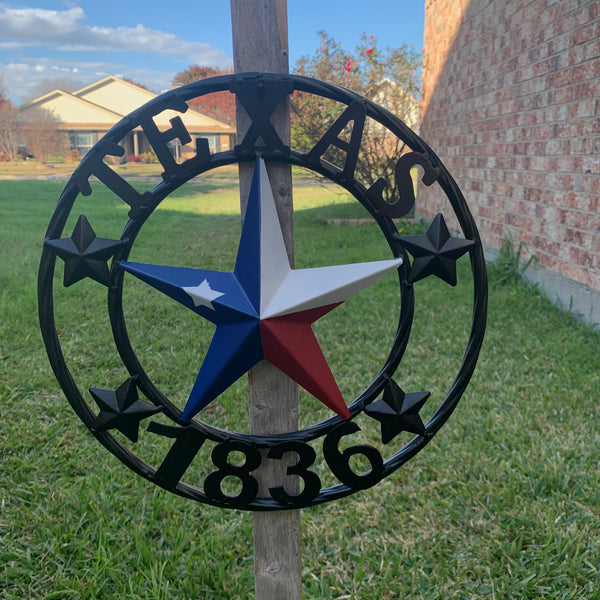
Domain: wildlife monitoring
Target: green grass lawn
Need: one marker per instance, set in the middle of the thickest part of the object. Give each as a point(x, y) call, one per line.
point(503, 504)
point(36, 170)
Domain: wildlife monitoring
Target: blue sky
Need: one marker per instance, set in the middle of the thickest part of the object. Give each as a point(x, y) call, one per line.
point(143, 40)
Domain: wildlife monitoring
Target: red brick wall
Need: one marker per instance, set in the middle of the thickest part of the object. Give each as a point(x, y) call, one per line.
point(511, 104)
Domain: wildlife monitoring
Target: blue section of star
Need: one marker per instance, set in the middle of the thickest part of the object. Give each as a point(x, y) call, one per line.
point(233, 351)
point(233, 303)
point(248, 264)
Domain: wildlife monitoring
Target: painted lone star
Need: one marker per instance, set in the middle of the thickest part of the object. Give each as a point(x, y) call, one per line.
point(121, 409)
point(264, 309)
point(435, 252)
point(203, 295)
point(85, 255)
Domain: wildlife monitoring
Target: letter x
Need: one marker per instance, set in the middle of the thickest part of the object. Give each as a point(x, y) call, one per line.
point(260, 103)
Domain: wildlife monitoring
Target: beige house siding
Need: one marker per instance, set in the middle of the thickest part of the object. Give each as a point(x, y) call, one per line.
point(69, 109)
point(87, 114)
point(115, 94)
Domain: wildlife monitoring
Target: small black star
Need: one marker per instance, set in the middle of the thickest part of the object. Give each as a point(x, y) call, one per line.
point(122, 409)
point(85, 255)
point(435, 252)
point(398, 411)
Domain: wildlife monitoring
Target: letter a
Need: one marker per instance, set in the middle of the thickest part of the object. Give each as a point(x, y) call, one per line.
point(356, 112)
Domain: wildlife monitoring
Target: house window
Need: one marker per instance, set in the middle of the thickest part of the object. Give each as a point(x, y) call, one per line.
point(82, 141)
point(214, 141)
point(175, 148)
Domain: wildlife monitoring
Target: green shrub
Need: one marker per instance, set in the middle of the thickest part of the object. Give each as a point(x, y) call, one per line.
point(510, 264)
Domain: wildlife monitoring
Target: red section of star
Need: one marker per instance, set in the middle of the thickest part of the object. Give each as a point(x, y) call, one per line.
point(290, 344)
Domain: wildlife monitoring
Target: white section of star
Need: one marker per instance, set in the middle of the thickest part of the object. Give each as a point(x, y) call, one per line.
point(202, 294)
point(285, 290)
point(274, 262)
point(303, 289)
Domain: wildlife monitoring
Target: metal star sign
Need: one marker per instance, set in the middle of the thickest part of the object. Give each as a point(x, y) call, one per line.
point(122, 409)
point(435, 252)
point(85, 255)
point(398, 411)
point(264, 309)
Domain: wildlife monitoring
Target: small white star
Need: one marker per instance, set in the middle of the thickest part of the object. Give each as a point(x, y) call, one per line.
point(202, 294)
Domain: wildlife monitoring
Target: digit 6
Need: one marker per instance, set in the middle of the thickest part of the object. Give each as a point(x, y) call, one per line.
point(339, 462)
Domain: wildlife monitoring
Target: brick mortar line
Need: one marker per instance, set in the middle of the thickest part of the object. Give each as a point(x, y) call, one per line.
point(532, 109)
point(526, 185)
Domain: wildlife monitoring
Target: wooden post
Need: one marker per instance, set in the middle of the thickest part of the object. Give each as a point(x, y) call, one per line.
point(260, 44)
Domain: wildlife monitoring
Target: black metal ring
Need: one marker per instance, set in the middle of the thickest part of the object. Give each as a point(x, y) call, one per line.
point(241, 84)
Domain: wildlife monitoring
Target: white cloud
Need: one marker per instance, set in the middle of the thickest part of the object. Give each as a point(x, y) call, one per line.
point(142, 40)
point(14, 45)
point(62, 38)
point(36, 25)
point(19, 79)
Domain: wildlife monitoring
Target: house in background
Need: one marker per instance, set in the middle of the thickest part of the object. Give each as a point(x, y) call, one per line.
point(87, 114)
